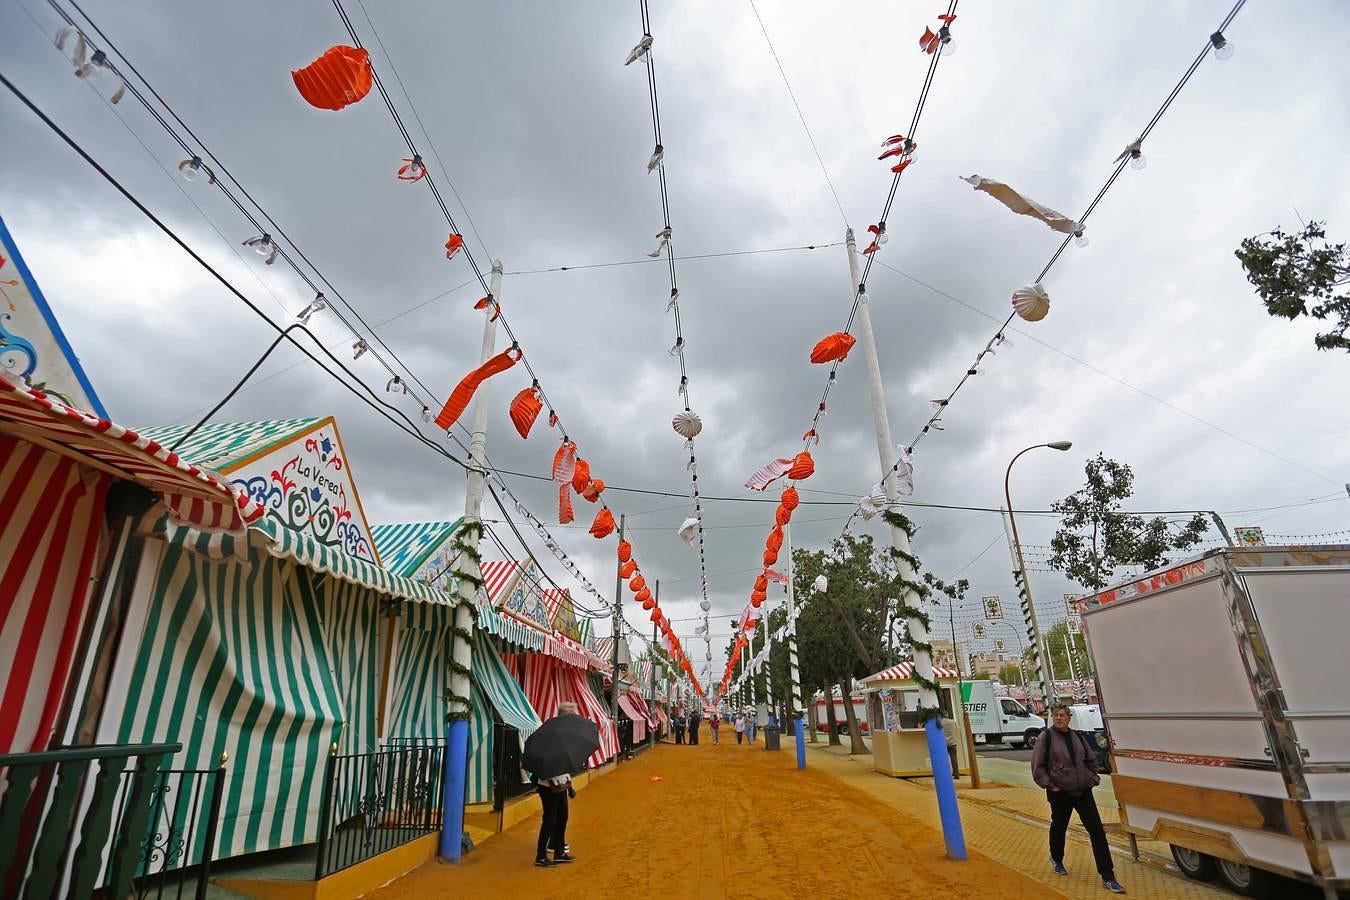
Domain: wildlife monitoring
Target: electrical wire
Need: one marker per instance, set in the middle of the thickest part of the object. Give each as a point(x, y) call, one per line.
point(800, 115)
point(389, 412)
point(637, 262)
point(1118, 380)
point(942, 404)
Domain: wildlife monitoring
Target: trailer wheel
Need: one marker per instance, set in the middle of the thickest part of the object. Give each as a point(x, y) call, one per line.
point(1193, 864)
point(1029, 739)
point(1245, 880)
point(842, 729)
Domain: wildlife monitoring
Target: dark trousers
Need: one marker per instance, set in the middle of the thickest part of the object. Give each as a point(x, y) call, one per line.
point(553, 829)
point(693, 734)
point(679, 735)
point(1062, 805)
point(739, 735)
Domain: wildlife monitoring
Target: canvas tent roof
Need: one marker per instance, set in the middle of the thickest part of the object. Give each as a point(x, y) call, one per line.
point(219, 444)
point(405, 547)
point(195, 495)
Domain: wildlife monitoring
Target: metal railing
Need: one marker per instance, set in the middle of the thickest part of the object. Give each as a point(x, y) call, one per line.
point(56, 818)
point(374, 802)
point(179, 844)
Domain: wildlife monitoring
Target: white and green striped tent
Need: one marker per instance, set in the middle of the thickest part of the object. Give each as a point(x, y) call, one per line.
point(263, 651)
point(420, 655)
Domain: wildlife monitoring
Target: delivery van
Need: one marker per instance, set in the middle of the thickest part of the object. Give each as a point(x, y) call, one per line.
point(998, 720)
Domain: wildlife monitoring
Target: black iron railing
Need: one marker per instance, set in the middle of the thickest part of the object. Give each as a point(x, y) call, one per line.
point(374, 802)
point(56, 818)
point(179, 845)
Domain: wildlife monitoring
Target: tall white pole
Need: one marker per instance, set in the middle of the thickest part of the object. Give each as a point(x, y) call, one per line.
point(456, 753)
point(918, 632)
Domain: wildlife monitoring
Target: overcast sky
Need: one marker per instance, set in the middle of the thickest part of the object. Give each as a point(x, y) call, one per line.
point(1156, 351)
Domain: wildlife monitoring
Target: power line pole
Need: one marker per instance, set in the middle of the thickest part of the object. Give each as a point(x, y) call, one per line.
point(945, 788)
point(461, 651)
point(617, 625)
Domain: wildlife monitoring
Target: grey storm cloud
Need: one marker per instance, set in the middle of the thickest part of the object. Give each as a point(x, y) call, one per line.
point(1155, 351)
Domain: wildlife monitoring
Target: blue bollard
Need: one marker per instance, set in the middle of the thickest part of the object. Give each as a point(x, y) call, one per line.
point(456, 767)
point(797, 729)
point(950, 813)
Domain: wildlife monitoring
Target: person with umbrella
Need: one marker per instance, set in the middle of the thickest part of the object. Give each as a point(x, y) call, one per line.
point(559, 747)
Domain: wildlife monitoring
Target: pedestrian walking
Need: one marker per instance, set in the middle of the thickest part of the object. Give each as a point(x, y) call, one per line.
point(1064, 764)
point(694, 719)
point(677, 721)
point(740, 727)
point(560, 744)
point(949, 733)
point(714, 725)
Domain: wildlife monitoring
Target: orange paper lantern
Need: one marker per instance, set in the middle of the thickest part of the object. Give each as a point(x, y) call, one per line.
point(803, 466)
point(790, 498)
point(628, 568)
point(338, 78)
point(581, 475)
point(525, 409)
point(770, 557)
point(637, 584)
point(603, 526)
point(836, 346)
point(625, 552)
point(782, 515)
point(775, 540)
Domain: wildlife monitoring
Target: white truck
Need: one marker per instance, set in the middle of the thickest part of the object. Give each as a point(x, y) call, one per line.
point(1225, 688)
point(840, 716)
point(998, 720)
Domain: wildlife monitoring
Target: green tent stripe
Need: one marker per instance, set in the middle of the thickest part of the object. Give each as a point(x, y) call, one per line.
point(478, 785)
point(404, 548)
point(266, 662)
point(501, 687)
point(421, 673)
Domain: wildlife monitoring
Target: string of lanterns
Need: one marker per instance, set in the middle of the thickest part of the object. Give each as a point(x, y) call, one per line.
point(1031, 302)
point(898, 152)
point(686, 423)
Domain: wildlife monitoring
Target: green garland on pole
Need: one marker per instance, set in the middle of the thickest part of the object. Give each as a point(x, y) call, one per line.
point(465, 545)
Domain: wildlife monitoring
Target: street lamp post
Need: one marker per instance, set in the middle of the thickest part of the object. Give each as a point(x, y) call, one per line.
point(1029, 605)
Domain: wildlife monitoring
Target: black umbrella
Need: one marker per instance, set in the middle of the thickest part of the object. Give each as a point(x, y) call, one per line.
point(560, 746)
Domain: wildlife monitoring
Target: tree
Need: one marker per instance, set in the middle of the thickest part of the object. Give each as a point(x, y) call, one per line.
point(1010, 673)
point(1289, 271)
point(1095, 537)
point(1058, 651)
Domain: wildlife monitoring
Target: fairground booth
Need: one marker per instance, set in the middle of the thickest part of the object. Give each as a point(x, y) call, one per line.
point(899, 742)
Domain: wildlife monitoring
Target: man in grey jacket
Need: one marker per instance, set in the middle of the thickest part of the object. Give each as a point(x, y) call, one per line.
point(1064, 764)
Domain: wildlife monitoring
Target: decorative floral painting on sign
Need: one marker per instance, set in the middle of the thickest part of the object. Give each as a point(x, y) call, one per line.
point(305, 484)
point(525, 602)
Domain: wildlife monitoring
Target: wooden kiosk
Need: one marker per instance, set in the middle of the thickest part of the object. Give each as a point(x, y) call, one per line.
point(899, 744)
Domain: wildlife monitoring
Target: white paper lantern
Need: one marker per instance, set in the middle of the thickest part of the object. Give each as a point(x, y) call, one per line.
point(821, 584)
point(687, 424)
point(1031, 302)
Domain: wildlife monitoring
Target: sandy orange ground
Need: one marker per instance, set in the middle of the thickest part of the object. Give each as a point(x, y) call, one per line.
point(726, 821)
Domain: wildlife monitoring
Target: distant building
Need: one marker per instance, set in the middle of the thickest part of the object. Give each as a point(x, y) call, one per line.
point(948, 655)
point(986, 662)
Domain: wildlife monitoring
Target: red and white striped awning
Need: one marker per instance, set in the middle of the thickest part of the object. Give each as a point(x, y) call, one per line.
point(567, 650)
point(195, 496)
point(903, 671)
point(498, 576)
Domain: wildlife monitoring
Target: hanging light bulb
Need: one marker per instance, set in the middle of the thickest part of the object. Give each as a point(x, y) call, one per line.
point(1080, 238)
point(193, 170)
point(427, 417)
point(319, 303)
point(359, 348)
point(947, 41)
point(1223, 48)
point(1137, 159)
point(263, 246)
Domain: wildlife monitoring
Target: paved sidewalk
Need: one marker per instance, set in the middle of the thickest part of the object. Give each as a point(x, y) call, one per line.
point(1009, 824)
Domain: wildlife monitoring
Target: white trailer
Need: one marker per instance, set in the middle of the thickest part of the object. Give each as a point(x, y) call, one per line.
point(997, 720)
point(1225, 687)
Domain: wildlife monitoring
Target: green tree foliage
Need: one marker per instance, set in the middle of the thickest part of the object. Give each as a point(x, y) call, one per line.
point(1058, 650)
point(1292, 271)
point(1010, 673)
point(1095, 537)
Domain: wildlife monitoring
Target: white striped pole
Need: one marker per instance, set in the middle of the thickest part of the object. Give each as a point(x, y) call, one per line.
point(793, 665)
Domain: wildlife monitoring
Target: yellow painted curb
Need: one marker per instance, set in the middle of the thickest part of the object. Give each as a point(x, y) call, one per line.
point(359, 879)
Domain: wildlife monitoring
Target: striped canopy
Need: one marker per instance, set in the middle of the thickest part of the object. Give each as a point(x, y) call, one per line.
point(195, 496)
point(903, 671)
point(499, 575)
point(405, 547)
point(217, 444)
point(283, 542)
